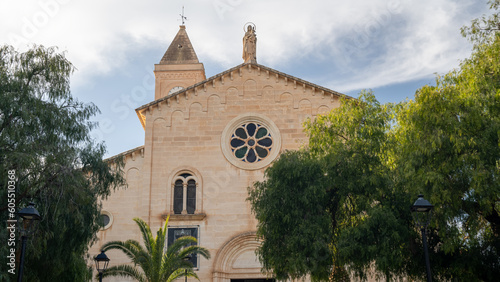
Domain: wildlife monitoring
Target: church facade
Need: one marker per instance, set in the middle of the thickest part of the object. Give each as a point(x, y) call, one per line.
point(206, 141)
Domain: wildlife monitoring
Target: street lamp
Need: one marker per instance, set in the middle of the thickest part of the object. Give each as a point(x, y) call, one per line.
point(101, 263)
point(30, 216)
point(187, 259)
point(421, 210)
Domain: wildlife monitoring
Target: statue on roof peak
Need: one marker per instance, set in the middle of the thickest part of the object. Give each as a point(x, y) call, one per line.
point(250, 44)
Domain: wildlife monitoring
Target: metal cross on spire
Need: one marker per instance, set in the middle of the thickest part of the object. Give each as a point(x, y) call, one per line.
point(183, 18)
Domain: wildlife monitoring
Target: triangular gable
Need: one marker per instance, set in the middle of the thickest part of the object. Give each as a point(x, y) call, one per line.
point(268, 71)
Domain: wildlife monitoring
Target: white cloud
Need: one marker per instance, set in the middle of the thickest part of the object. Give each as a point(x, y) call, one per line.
point(343, 45)
point(375, 42)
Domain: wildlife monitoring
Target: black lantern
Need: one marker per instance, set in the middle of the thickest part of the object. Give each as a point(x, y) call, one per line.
point(101, 263)
point(30, 217)
point(421, 210)
point(421, 205)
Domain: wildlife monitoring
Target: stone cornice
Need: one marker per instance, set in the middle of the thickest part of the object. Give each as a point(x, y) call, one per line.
point(184, 217)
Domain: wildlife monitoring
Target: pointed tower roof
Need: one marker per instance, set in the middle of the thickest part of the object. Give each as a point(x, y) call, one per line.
point(180, 51)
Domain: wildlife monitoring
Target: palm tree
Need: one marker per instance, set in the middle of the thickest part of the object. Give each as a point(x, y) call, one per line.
point(157, 263)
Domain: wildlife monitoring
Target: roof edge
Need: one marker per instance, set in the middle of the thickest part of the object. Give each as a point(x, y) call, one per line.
point(143, 107)
point(112, 158)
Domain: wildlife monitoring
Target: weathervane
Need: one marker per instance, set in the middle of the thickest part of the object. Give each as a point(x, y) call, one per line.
point(182, 16)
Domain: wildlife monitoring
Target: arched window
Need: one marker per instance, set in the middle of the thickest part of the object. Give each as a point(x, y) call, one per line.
point(178, 196)
point(185, 186)
point(191, 197)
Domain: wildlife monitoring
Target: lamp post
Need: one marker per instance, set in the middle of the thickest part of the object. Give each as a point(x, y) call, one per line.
point(101, 263)
point(187, 259)
point(421, 210)
point(30, 216)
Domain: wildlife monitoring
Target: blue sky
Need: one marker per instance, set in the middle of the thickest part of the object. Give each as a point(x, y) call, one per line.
point(390, 46)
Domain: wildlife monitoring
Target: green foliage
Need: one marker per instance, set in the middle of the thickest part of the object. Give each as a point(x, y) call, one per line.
point(450, 150)
point(310, 196)
point(351, 141)
point(483, 30)
point(44, 138)
point(156, 263)
point(290, 206)
point(364, 167)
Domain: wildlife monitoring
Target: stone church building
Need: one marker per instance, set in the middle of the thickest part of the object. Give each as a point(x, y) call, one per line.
point(206, 141)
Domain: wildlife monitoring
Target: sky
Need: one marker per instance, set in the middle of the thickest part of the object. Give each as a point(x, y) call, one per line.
point(392, 47)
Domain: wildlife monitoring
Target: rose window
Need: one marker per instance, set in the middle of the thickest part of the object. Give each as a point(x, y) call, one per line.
point(251, 142)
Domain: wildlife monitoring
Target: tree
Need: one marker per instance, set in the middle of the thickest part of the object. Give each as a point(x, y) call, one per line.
point(373, 160)
point(45, 143)
point(293, 219)
point(484, 29)
point(450, 150)
point(311, 196)
point(157, 263)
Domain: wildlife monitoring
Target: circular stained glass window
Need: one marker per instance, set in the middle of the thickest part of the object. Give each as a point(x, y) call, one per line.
point(251, 141)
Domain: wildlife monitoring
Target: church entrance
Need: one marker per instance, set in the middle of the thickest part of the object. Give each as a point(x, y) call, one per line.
point(253, 280)
point(236, 261)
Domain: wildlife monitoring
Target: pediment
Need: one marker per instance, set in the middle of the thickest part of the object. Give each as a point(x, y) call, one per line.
point(249, 85)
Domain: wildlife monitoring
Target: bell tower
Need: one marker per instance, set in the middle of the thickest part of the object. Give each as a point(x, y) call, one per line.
point(179, 67)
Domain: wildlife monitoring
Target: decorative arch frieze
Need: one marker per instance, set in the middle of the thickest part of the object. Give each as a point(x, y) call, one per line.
point(250, 88)
point(285, 97)
point(233, 92)
point(323, 109)
point(267, 90)
point(213, 100)
point(305, 105)
point(195, 108)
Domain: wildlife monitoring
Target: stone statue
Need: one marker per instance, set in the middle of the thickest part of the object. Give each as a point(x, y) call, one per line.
point(250, 45)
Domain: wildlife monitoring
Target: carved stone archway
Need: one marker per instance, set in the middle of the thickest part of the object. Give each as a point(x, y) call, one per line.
point(236, 259)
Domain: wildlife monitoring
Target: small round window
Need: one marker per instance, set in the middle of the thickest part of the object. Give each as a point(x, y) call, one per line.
point(251, 142)
point(105, 220)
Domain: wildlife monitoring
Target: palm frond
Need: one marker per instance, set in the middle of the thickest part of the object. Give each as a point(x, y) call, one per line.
point(157, 253)
point(172, 263)
point(131, 248)
point(181, 243)
point(195, 250)
point(147, 236)
point(182, 273)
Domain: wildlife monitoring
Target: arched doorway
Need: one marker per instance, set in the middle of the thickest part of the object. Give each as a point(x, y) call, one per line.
point(236, 261)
